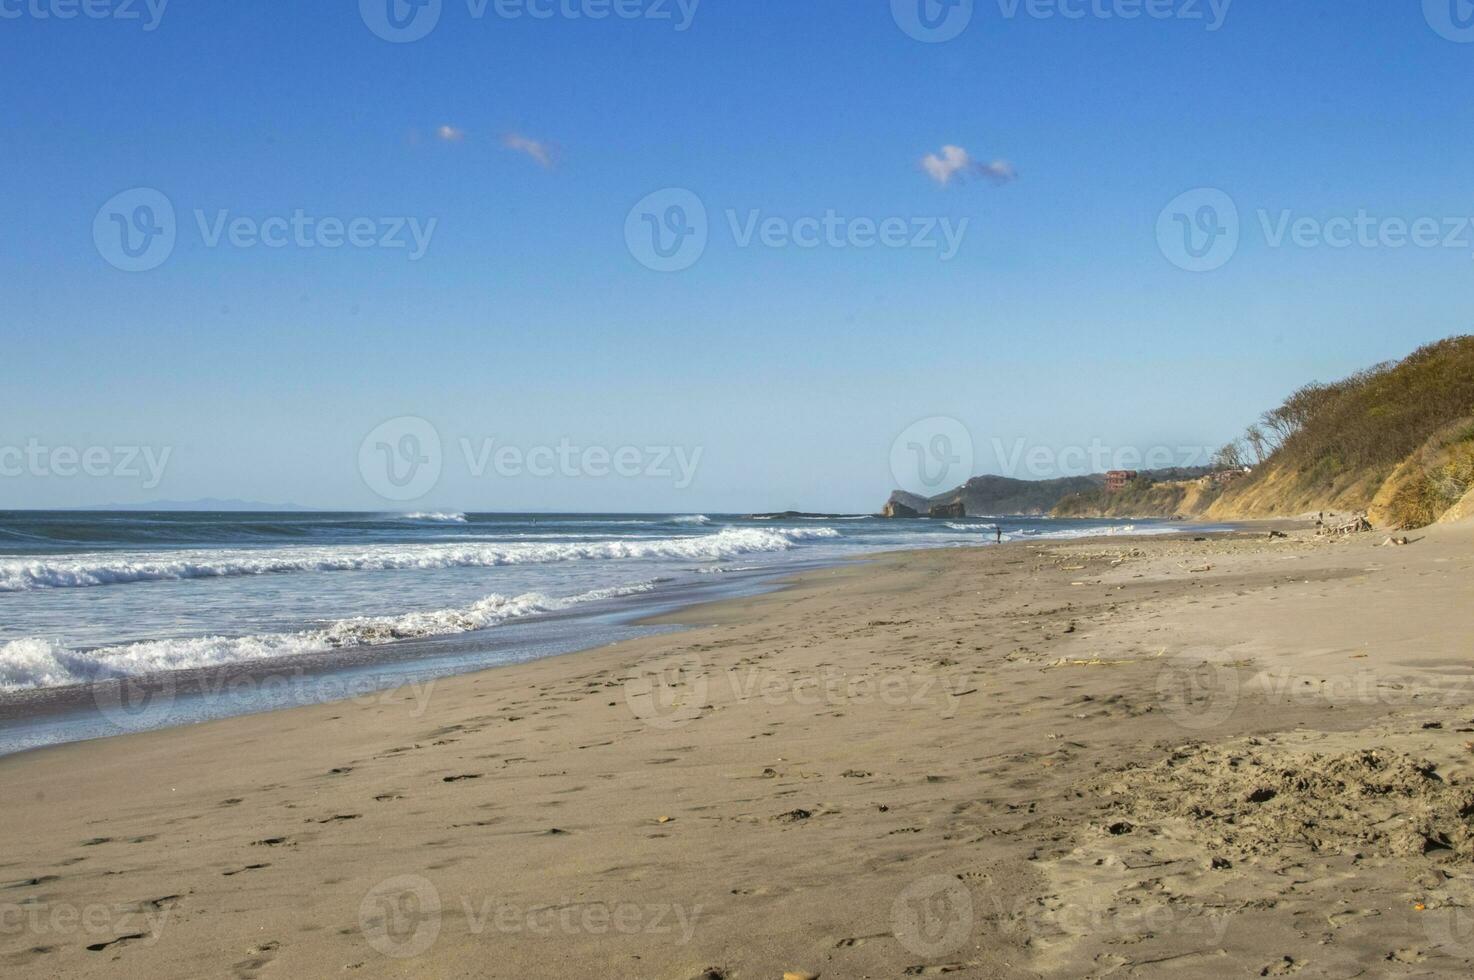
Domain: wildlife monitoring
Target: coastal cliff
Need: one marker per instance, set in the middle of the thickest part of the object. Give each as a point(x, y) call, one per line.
point(1395, 441)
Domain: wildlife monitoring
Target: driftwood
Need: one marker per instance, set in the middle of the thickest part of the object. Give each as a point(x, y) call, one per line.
point(1357, 525)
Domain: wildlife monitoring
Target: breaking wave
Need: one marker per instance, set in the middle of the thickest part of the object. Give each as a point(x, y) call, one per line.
point(1100, 532)
point(35, 663)
point(79, 571)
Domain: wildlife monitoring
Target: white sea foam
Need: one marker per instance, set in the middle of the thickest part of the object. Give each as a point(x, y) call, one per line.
point(34, 663)
point(437, 518)
point(1096, 532)
point(77, 571)
point(972, 527)
point(691, 519)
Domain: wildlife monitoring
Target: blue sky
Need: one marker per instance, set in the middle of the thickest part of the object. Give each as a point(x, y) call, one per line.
point(1060, 321)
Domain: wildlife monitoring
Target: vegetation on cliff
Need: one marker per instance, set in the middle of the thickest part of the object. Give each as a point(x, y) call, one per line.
point(1396, 439)
point(1146, 496)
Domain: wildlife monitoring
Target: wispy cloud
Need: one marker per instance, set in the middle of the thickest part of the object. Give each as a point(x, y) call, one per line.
point(543, 153)
point(955, 163)
point(450, 134)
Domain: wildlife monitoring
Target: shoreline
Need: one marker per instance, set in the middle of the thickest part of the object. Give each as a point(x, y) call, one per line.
point(953, 759)
point(40, 717)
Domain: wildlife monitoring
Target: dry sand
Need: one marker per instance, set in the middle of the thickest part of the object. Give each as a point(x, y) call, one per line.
point(1119, 757)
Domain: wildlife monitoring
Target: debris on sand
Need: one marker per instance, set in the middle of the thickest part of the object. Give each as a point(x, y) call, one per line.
point(1255, 799)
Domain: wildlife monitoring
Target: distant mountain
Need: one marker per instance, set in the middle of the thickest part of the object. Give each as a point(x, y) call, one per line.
point(208, 505)
point(988, 496)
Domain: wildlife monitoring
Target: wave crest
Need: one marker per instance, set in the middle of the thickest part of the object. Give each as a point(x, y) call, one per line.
point(35, 663)
point(81, 571)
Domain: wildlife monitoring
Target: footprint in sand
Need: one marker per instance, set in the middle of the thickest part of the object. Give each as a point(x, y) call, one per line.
point(859, 940)
point(260, 957)
point(99, 947)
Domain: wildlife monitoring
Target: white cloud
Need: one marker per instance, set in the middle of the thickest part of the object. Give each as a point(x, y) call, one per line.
point(450, 134)
point(955, 163)
point(538, 150)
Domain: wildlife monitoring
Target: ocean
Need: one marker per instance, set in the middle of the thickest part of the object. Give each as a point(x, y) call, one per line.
point(125, 621)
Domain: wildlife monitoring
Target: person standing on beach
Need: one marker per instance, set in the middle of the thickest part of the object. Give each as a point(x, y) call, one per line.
point(999, 529)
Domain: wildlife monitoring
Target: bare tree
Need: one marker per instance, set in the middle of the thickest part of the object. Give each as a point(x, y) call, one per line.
point(1258, 444)
point(1230, 457)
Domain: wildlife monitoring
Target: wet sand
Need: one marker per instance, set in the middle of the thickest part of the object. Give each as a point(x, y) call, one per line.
point(1117, 757)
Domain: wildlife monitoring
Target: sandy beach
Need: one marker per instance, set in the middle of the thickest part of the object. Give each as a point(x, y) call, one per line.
point(1230, 756)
